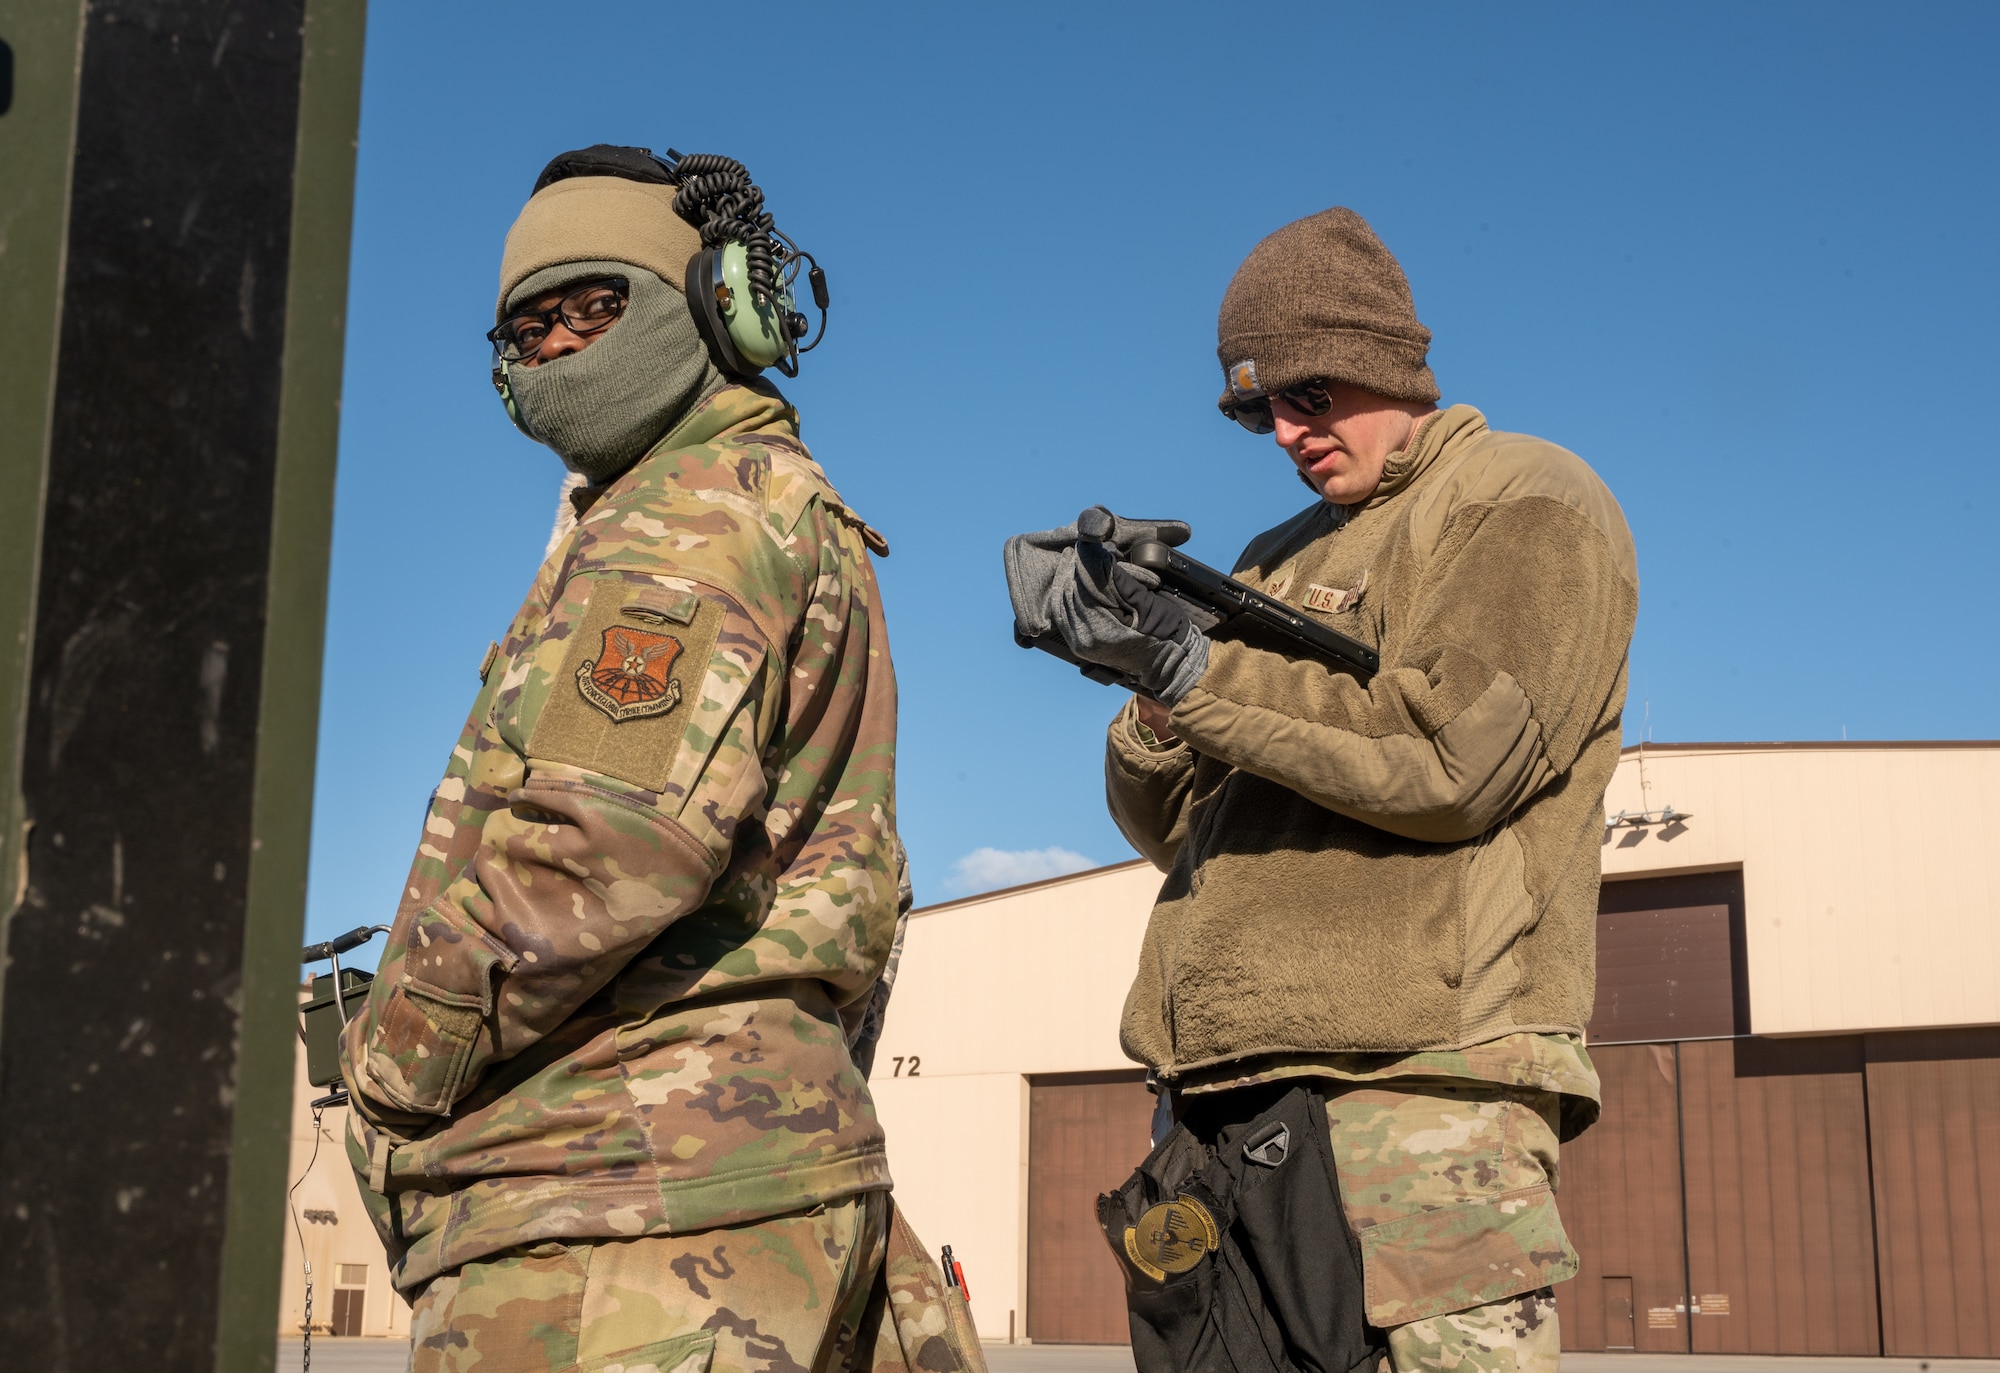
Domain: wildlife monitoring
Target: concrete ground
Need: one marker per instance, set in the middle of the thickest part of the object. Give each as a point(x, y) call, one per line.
point(345, 1356)
point(1762, 1363)
point(391, 1356)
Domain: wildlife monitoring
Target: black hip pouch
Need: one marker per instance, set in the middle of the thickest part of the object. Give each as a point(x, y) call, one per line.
point(1237, 1254)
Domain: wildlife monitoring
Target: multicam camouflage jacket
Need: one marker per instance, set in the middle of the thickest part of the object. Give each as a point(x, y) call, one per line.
point(658, 883)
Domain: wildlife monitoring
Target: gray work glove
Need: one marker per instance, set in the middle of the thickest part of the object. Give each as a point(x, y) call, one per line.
point(1114, 615)
point(1037, 562)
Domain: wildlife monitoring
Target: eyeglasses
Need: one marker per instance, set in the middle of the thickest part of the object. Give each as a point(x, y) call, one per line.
point(591, 308)
point(1252, 409)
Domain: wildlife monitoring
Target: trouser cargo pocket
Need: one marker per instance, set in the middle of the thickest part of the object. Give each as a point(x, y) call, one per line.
point(1449, 1186)
point(1471, 1254)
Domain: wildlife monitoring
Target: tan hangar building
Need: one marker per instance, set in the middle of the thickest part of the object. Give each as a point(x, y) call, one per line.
point(1798, 1027)
point(1797, 1024)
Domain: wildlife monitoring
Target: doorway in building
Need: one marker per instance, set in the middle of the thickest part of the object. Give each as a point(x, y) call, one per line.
point(350, 1295)
point(1086, 1133)
point(1619, 1329)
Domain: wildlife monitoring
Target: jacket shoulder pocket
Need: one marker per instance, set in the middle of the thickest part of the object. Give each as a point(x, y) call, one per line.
point(630, 683)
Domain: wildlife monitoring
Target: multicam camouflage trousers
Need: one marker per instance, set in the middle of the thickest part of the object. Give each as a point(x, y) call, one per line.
point(845, 1288)
point(1449, 1187)
point(1518, 1333)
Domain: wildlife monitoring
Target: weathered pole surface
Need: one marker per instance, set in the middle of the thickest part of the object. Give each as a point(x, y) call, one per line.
point(176, 185)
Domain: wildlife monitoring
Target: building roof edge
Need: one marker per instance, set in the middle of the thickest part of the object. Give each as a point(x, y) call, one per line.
point(1000, 892)
point(1807, 746)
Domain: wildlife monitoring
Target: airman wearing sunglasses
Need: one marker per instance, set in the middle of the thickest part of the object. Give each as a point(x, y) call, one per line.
point(1388, 887)
point(610, 1095)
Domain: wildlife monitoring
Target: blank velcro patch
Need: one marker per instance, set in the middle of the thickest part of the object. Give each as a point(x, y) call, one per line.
point(628, 686)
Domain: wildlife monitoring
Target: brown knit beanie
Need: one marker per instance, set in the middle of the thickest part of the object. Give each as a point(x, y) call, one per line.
point(1322, 297)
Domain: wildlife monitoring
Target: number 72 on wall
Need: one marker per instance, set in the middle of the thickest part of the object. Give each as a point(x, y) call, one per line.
point(898, 1070)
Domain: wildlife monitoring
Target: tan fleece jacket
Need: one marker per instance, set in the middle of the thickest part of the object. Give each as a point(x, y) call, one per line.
point(1409, 863)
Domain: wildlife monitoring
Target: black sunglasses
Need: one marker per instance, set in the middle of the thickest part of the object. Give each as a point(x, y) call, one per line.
point(589, 309)
point(1253, 410)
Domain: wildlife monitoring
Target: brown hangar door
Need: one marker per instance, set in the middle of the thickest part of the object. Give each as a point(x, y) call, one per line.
point(1670, 959)
point(1781, 1239)
point(1669, 966)
point(1619, 1194)
point(1723, 1196)
point(1934, 1118)
point(1086, 1133)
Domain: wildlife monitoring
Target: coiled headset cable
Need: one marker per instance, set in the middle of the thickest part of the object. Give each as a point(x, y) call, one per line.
point(717, 195)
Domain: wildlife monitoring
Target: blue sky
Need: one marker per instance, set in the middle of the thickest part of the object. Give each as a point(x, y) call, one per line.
point(1741, 258)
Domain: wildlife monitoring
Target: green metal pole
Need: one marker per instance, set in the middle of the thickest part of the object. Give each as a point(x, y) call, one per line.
point(288, 728)
point(173, 254)
point(37, 133)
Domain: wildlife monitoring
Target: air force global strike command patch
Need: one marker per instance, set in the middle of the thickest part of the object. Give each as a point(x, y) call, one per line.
point(630, 678)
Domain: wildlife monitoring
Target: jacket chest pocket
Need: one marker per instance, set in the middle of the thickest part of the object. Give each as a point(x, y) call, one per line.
point(1335, 595)
point(1334, 585)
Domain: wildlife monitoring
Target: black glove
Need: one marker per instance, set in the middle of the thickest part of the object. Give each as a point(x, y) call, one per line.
point(1114, 615)
point(1037, 562)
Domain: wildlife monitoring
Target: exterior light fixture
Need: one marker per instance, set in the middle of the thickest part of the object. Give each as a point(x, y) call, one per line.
point(1641, 819)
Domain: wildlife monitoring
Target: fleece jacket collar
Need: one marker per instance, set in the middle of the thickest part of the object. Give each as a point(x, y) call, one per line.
point(1433, 434)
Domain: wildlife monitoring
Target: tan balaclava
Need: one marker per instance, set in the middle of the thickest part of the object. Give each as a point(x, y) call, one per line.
point(602, 408)
point(1322, 298)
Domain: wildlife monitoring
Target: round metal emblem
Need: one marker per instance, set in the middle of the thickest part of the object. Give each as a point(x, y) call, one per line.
point(1172, 1237)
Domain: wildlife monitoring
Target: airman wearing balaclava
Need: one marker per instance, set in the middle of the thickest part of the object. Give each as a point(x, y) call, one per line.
point(610, 1102)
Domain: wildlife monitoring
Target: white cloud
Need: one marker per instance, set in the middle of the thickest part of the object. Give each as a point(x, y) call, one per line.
point(985, 870)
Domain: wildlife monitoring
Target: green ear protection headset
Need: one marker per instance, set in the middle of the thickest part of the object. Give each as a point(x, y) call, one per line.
point(740, 286)
point(744, 334)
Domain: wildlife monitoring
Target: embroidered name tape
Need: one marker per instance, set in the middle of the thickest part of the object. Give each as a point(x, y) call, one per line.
point(1332, 599)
